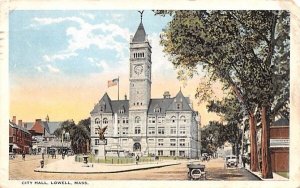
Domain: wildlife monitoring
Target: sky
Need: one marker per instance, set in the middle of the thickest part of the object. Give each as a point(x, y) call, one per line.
point(60, 62)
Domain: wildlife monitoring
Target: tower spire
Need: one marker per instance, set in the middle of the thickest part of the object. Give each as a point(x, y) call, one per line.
point(141, 12)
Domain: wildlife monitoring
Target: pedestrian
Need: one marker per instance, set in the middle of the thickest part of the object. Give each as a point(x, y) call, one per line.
point(23, 155)
point(137, 158)
point(244, 161)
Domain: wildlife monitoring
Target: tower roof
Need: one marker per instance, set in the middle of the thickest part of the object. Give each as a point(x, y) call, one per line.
point(140, 34)
point(179, 98)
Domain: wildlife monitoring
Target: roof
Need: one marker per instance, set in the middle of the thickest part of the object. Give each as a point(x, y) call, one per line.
point(164, 104)
point(53, 126)
point(120, 104)
point(281, 122)
point(18, 127)
point(179, 98)
point(105, 103)
point(140, 34)
point(38, 127)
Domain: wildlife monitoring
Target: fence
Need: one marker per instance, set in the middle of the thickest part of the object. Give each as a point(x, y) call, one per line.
point(116, 160)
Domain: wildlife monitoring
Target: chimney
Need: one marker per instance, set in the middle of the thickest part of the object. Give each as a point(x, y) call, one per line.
point(38, 120)
point(14, 120)
point(166, 95)
point(125, 97)
point(20, 123)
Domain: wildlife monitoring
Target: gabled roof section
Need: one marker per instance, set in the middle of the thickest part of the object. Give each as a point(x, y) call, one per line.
point(53, 126)
point(38, 127)
point(183, 101)
point(18, 127)
point(104, 104)
point(120, 104)
point(163, 104)
point(140, 34)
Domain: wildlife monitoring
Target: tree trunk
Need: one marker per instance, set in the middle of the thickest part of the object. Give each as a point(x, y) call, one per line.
point(266, 170)
point(253, 143)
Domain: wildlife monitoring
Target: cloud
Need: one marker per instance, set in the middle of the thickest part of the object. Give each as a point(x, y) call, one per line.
point(52, 69)
point(103, 35)
point(39, 69)
point(62, 56)
point(49, 21)
point(87, 15)
point(117, 17)
point(160, 63)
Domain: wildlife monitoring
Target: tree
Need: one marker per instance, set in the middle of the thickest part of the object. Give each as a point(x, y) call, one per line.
point(232, 114)
point(211, 137)
point(248, 51)
point(78, 134)
point(79, 137)
point(86, 123)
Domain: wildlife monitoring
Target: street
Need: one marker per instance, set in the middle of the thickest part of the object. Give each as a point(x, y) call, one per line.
point(21, 170)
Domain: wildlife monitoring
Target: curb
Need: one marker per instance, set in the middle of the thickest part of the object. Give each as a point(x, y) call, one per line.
point(102, 172)
point(256, 175)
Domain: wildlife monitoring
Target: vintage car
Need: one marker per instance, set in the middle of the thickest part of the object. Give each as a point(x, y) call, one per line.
point(231, 161)
point(196, 171)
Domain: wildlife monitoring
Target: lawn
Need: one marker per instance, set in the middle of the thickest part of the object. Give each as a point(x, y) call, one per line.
point(113, 160)
point(283, 174)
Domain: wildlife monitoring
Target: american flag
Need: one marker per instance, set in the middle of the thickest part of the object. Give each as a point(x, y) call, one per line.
point(113, 82)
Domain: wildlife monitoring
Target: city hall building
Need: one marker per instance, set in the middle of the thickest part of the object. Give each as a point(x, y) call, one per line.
point(166, 126)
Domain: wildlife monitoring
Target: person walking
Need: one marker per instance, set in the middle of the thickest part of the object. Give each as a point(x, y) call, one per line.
point(137, 158)
point(244, 161)
point(23, 155)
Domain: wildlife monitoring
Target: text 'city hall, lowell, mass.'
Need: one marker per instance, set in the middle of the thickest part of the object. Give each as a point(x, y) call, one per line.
point(166, 126)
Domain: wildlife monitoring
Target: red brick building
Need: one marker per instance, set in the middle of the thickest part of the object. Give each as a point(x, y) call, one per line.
point(279, 145)
point(19, 137)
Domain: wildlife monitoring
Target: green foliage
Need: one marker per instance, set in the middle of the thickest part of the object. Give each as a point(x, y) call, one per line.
point(212, 137)
point(79, 134)
point(248, 51)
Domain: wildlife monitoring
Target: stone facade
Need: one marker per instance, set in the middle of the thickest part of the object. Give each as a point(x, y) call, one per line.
point(161, 127)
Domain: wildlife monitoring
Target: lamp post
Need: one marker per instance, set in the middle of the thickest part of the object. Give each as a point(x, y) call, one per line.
point(62, 141)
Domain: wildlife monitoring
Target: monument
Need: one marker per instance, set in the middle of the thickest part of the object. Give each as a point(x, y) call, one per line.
point(102, 142)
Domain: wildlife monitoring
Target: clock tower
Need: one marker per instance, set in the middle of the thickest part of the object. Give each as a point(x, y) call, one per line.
point(140, 70)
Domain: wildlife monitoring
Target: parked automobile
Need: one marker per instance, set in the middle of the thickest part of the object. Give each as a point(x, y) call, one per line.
point(231, 161)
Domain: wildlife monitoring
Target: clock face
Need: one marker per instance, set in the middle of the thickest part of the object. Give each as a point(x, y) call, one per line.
point(138, 69)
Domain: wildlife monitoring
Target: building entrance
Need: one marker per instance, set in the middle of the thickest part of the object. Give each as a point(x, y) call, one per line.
point(136, 147)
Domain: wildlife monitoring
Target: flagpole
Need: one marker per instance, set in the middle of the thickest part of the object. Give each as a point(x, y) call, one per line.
point(118, 86)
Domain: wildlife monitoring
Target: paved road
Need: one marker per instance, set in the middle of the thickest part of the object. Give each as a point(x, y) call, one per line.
point(20, 170)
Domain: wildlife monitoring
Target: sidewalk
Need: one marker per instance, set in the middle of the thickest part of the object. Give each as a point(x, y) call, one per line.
point(70, 166)
point(276, 177)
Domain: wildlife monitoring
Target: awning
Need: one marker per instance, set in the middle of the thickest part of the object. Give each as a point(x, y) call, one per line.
point(15, 146)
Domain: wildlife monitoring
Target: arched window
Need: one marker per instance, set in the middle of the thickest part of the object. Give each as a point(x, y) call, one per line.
point(137, 119)
point(97, 121)
point(173, 119)
point(182, 118)
point(105, 121)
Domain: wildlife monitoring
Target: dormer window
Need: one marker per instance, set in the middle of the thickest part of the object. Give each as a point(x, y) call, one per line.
point(157, 110)
point(178, 106)
point(122, 110)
